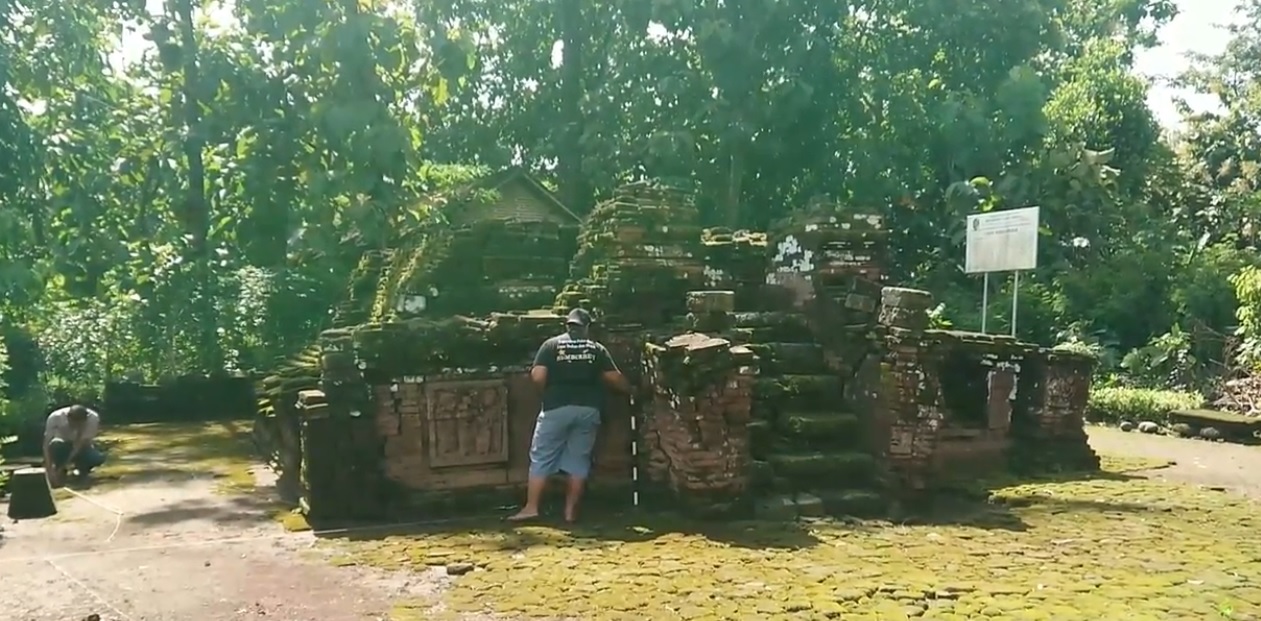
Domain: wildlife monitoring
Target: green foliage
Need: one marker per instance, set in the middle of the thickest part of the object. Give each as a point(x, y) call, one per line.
point(202, 209)
point(1248, 290)
point(1167, 361)
point(1117, 404)
point(1080, 348)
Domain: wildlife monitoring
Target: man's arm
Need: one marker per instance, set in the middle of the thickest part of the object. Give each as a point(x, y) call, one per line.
point(543, 361)
point(609, 372)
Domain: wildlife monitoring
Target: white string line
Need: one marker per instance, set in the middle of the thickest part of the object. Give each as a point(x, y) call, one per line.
point(90, 591)
point(226, 540)
point(118, 515)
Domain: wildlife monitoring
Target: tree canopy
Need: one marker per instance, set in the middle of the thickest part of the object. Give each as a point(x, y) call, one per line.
point(187, 186)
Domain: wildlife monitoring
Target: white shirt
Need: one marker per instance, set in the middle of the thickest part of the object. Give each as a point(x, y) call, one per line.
point(58, 426)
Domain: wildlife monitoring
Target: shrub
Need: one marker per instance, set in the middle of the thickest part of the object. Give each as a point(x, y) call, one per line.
point(1115, 404)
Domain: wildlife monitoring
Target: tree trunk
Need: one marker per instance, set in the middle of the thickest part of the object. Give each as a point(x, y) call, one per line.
point(196, 218)
point(196, 207)
point(575, 190)
point(30, 496)
point(735, 183)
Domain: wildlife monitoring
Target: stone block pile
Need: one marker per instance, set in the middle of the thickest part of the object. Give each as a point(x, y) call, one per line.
point(798, 377)
point(711, 311)
point(487, 266)
point(832, 253)
point(736, 261)
point(503, 266)
point(695, 421)
point(638, 255)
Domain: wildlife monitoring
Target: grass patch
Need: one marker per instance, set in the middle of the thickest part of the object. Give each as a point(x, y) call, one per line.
point(219, 449)
point(292, 520)
point(1136, 405)
point(1107, 547)
point(1127, 464)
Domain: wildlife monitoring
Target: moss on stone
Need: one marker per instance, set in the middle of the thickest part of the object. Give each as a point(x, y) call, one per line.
point(1101, 548)
point(822, 428)
point(824, 469)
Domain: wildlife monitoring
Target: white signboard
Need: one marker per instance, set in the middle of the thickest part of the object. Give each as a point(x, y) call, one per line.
point(1003, 241)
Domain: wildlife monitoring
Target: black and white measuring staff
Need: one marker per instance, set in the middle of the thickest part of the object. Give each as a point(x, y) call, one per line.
point(634, 455)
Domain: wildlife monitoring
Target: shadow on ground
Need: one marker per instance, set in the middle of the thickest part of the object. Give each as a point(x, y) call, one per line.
point(234, 510)
point(986, 505)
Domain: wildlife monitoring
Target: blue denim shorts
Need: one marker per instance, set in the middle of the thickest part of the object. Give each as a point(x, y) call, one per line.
point(564, 439)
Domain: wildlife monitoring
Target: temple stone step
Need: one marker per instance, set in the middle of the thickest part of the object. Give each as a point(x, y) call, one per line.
point(824, 470)
point(819, 428)
point(772, 327)
point(861, 503)
point(789, 358)
point(800, 393)
point(770, 319)
point(857, 503)
point(761, 438)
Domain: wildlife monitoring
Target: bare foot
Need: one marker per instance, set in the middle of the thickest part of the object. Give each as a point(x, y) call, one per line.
point(523, 516)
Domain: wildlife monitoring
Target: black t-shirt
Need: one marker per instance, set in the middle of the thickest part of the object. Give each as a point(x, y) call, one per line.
point(574, 370)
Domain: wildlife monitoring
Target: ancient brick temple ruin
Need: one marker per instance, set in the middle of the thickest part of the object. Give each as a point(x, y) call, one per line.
point(777, 371)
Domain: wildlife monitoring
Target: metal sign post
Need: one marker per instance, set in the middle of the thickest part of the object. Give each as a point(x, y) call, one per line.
point(985, 299)
point(1015, 298)
point(1002, 241)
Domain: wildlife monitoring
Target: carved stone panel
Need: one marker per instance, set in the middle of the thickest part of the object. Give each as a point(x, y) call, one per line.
point(467, 422)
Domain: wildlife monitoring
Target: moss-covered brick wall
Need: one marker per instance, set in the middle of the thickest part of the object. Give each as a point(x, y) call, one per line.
point(696, 415)
point(961, 404)
point(1048, 426)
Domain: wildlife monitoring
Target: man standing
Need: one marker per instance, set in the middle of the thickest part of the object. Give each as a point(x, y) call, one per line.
point(68, 437)
point(572, 372)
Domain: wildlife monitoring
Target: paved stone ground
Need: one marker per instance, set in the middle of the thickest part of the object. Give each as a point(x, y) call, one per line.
point(1134, 543)
point(1216, 464)
point(1166, 547)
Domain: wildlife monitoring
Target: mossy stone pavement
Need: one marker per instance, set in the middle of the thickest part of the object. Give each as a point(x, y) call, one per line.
point(1107, 547)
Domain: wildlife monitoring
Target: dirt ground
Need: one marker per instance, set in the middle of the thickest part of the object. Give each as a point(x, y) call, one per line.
point(171, 532)
point(1231, 466)
point(183, 527)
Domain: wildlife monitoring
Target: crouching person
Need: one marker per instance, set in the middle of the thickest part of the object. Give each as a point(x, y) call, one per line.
point(69, 436)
